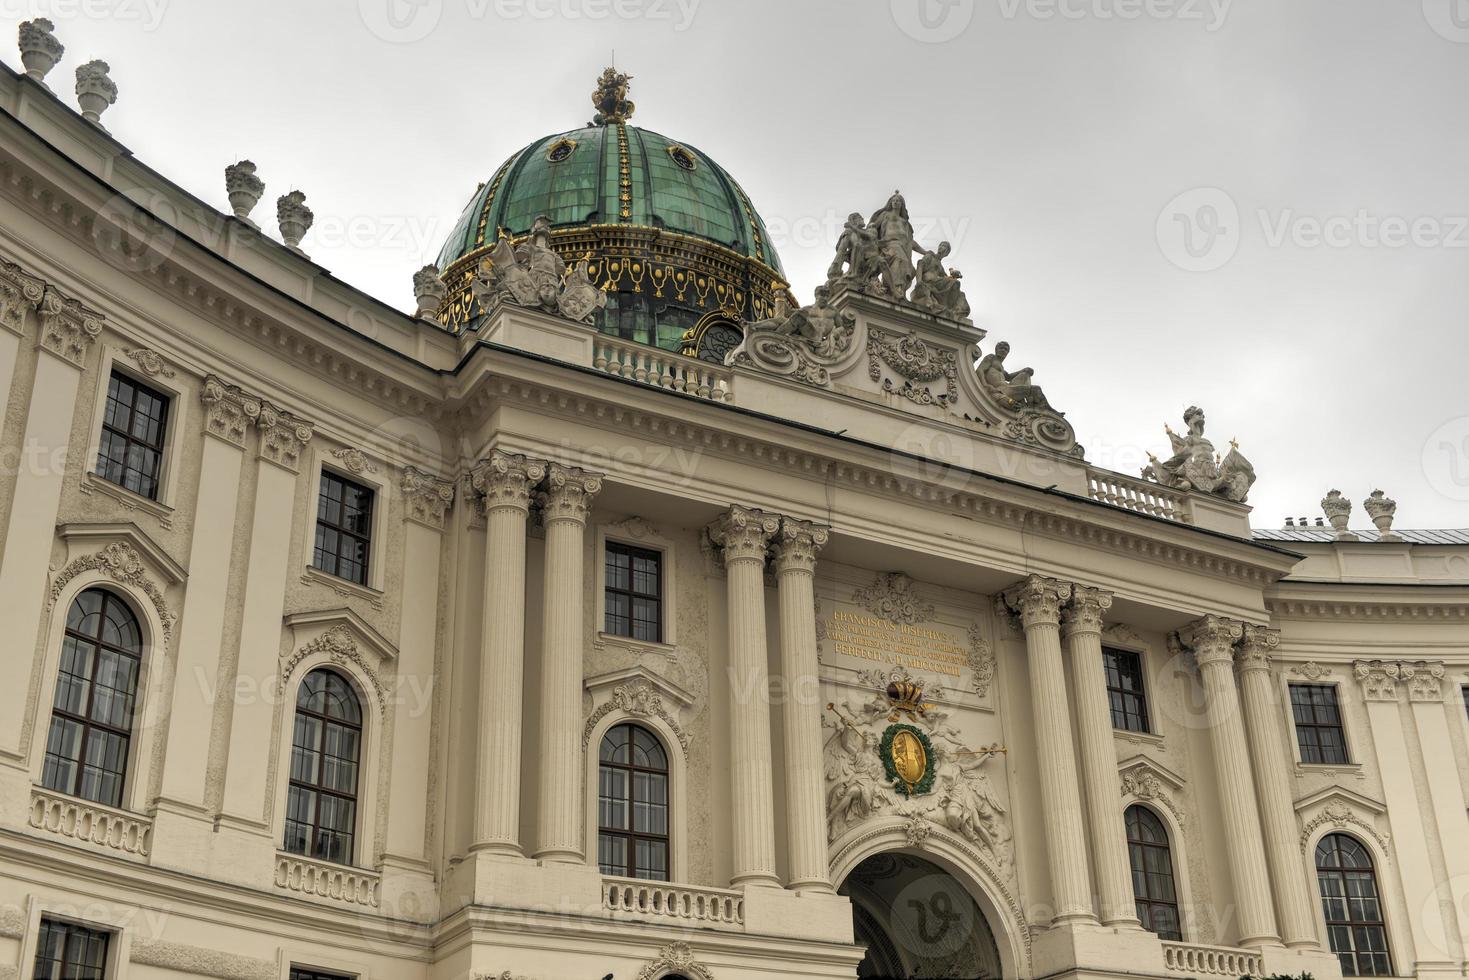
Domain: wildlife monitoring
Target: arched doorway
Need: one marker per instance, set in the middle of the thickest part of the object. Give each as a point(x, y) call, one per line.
point(917, 921)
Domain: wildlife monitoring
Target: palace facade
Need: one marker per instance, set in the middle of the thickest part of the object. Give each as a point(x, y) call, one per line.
point(616, 615)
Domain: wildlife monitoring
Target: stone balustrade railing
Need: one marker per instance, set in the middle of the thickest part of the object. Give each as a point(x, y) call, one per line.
point(89, 822)
point(323, 879)
point(660, 368)
point(1138, 495)
point(1222, 961)
point(717, 907)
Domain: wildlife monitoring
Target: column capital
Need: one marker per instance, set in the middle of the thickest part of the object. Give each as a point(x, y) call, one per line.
point(1256, 646)
point(1038, 600)
point(568, 493)
point(426, 498)
point(68, 329)
point(19, 291)
point(1212, 639)
point(743, 533)
point(229, 410)
point(1379, 679)
point(1425, 679)
point(797, 544)
point(283, 436)
point(506, 480)
point(1086, 610)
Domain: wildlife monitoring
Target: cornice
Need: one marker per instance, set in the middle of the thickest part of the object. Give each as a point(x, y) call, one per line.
point(1394, 603)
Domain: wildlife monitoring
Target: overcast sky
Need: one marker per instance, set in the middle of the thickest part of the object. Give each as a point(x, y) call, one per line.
point(1260, 207)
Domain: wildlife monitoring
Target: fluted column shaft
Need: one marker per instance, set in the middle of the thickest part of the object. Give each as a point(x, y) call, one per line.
point(506, 481)
point(795, 566)
point(565, 503)
point(1083, 630)
point(1212, 640)
point(743, 536)
point(1293, 902)
point(1038, 601)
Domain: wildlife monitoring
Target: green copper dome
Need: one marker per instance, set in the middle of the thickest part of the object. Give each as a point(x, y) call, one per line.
point(670, 237)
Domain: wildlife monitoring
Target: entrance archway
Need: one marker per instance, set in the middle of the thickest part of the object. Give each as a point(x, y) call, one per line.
point(917, 921)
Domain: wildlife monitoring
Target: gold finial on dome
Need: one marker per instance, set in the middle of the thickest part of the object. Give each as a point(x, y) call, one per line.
point(610, 98)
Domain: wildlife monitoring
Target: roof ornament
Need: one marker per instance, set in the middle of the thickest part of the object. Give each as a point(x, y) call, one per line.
point(610, 98)
point(244, 189)
point(1381, 508)
point(1195, 465)
point(429, 292)
point(39, 49)
point(805, 344)
point(95, 91)
point(875, 257)
point(295, 219)
point(533, 275)
point(1338, 510)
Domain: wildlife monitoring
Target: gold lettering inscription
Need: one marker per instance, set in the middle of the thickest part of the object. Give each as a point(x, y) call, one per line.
point(898, 644)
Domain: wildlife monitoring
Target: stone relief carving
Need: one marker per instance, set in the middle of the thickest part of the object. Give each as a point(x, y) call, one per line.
point(121, 563)
point(1311, 671)
point(150, 362)
point(1144, 783)
point(962, 799)
point(876, 257)
point(917, 362)
point(533, 275)
point(355, 460)
point(339, 645)
point(675, 958)
point(19, 291)
point(638, 699)
point(894, 597)
point(1195, 465)
point(1337, 812)
point(199, 961)
point(68, 328)
point(804, 344)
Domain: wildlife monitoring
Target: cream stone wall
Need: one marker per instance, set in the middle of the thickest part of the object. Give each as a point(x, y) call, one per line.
point(275, 372)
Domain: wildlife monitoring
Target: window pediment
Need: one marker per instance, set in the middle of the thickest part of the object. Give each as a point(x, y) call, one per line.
point(638, 693)
point(1341, 809)
point(342, 637)
point(127, 556)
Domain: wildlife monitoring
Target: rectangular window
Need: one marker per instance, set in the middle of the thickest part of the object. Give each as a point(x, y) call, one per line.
point(1318, 724)
point(1124, 670)
point(67, 951)
point(343, 528)
point(302, 973)
point(634, 595)
point(133, 425)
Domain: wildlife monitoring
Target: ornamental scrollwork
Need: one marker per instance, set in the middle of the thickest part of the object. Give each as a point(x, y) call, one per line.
point(675, 958)
point(918, 362)
point(1143, 783)
point(68, 328)
point(1341, 815)
point(121, 563)
point(19, 291)
point(894, 597)
point(339, 645)
point(638, 700)
point(805, 344)
point(150, 362)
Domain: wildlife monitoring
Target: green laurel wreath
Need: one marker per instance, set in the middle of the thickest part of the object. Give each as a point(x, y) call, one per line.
point(924, 785)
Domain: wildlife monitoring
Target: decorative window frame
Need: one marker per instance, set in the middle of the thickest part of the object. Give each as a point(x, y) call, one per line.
point(147, 367)
point(639, 697)
point(131, 566)
point(1353, 765)
point(297, 956)
point(1343, 812)
point(358, 467)
point(101, 916)
point(639, 533)
point(1144, 782)
point(340, 640)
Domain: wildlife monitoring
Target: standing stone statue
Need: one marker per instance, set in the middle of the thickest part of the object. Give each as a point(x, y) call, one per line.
point(938, 289)
point(895, 247)
point(1195, 465)
point(857, 250)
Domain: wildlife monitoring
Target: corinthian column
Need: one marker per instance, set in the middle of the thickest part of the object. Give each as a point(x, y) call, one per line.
point(743, 535)
point(1038, 601)
point(1292, 899)
point(795, 567)
point(506, 481)
point(1083, 630)
point(564, 508)
point(1212, 640)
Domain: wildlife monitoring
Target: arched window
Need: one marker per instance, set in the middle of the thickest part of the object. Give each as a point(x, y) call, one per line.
point(96, 692)
point(1152, 873)
point(321, 803)
point(632, 804)
point(1349, 898)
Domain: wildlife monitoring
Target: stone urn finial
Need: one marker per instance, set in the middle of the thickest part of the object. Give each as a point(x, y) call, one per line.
point(39, 49)
point(295, 219)
point(429, 290)
point(1338, 510)
point(95, 90)
point(243, 187)
point(1381, 508)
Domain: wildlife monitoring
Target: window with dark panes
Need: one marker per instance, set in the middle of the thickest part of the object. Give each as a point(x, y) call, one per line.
point(343, 528)
point(301, 973)
point(67, 951)
point(326, 746)
point(1317, 716)
point(634, 592)
point(1152, 873)
point(96, 692)
point(1125, 694)
point(1352, 908)
point(632, 804)
point(134, 422)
